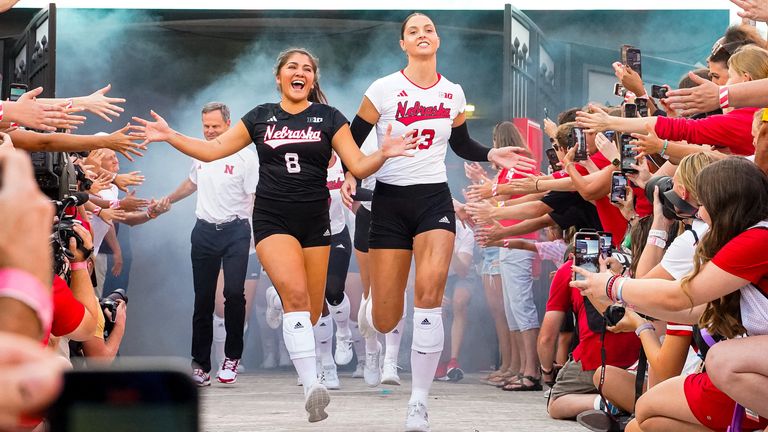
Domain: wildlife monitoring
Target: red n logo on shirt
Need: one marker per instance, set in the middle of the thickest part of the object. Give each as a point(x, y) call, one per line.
point(229, 169)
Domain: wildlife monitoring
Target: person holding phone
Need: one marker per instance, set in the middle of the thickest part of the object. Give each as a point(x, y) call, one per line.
point(291, 227)
point(417, 97)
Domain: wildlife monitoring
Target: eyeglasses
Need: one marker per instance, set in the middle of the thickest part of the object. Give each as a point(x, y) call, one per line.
point(729, 47)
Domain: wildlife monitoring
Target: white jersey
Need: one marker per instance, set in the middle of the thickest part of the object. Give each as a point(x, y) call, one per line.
point(430, 111)
point(226, 187)
point(337, 214)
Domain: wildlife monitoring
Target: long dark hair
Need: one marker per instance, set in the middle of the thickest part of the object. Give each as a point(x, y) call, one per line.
point(315, 95)
point(735, 193)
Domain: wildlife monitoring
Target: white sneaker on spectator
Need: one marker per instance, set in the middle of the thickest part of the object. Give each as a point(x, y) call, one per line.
point(344, 349)
point(329, 377)
point(417, 420)
point(389, 373)
point(270, 362)
point(315, 402)
point(274, 314)
point(228, 371)
point(201, 378)
point(358, 373)
point(372, 370)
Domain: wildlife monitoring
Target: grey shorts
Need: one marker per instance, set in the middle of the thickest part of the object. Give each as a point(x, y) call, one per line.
point(573, 380)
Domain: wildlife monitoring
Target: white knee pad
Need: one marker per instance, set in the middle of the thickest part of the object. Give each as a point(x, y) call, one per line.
point(428, 334)
point(340, 312)
point(219, 330)
point(324, 330)
point(298, 335)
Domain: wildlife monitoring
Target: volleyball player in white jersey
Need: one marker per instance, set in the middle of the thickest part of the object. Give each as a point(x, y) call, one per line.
point(412, 212)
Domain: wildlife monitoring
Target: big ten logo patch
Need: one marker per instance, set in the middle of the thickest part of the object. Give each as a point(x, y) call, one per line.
point(446, 95)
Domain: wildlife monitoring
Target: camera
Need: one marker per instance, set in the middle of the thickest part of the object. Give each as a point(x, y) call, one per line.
point(110, 303)
point(85, 182)
point(658, 92)
point(63, 231)
point(673, 205)
point(613, 314)
point(55, 174)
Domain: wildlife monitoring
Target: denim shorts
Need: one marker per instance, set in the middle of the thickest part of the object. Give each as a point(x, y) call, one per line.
point(490, 261)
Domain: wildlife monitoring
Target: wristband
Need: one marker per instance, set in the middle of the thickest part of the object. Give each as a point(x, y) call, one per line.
point(505, 243)
point(70, 103)
point(643, 327)
point(494, 188)
point(536, 184)
point(658, 233)
point(1, 110)
point(22, 286)
point(114, 176)
point(79, 265)
point(656, 241)
point(609, 287)
point(500, 204)
point(664, 150)
point(115, 204)
point(620, 290)
point(724, 102)
point(96, 211)
point(150, 215)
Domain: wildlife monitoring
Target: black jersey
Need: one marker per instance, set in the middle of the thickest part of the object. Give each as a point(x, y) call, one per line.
point(294, 150)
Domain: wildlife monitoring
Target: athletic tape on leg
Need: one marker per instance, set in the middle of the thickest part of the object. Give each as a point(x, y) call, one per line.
point(298, 335)
point(428, 334)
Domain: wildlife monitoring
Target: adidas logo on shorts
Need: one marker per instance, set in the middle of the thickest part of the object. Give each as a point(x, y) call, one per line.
point(298, 326)
point(445, 220)
point(327, 233)
point(396, 331)
point(426, 322)
point(340, 246)
point(322, 324)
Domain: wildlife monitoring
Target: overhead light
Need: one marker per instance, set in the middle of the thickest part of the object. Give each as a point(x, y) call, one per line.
point(469, 110)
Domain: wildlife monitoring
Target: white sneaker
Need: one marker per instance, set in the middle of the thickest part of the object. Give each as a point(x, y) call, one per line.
point(372, 371)
point(201, 378)
point(417, 420)
point(366, 328)
point(315, 402)
point(358, 373)
point(270, 362)
point(274, 314)
point(329, 377)
point(389, 374)
point(344, 349)
point(228, 371)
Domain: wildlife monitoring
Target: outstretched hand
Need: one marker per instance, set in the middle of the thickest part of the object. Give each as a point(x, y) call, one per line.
point(398, 146)
point(705, 97)
point(151, 131)
point(510, 158)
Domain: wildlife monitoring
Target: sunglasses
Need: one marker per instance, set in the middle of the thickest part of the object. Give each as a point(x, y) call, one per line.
point(729, 47)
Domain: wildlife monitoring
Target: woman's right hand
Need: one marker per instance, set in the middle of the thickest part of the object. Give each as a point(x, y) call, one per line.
point(348, 188)
point(659, 220)
point(595, 121)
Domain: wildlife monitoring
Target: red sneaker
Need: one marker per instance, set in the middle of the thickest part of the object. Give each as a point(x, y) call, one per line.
point(441, 374)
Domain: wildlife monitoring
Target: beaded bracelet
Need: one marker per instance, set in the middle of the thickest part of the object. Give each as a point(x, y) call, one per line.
point(609, 287)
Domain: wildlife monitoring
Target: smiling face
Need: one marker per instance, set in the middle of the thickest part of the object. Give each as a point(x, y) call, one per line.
point(419, 37)
point(296, 76)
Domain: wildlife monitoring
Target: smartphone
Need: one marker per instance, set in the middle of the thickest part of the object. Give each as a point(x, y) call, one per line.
point(586, 252)
point(611, 135)
point(659, 92)
point(553, 159)
point(630, 56)
point(642, 107)
point(546, 113)
point(628, 154)
point(16, 91)
point(630, 110)
point(619, 90)
point(618, 187)
point(120, 400)
point(606, 242)
point(580, 141)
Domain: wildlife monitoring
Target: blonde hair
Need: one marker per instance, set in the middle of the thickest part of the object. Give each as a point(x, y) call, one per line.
point(689, 169)
point(750, 60)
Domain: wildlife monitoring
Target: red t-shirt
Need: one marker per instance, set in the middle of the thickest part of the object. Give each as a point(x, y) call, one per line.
point(505, 177)
point(563, 174)
point(732, 130)
point(610, 217)
point(621, 349)
point(745, 256)
point(67, 311)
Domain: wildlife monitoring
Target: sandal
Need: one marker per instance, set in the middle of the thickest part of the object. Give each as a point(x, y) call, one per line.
point(521, 386)
point(513, 380)
point(496, 379)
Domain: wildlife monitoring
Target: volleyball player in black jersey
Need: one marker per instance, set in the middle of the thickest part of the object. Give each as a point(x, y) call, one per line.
point(291, 227)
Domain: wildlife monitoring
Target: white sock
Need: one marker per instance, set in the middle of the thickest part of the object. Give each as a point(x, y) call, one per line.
point(427, 346)
point(340, 314)
point(300, 343)
point(219, 338)
point(357, 340)
point(323, 335)
point(393, 342)
point(371, 343)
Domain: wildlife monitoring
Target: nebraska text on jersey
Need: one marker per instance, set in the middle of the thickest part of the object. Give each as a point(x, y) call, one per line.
point(418, 112)
point(274, 137)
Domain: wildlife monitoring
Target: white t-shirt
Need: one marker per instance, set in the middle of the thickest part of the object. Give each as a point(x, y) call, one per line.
point(678, 259)
point(430, 111)
point(463, 244)
point(337, 214)
point(100, 228)
point(225, 187)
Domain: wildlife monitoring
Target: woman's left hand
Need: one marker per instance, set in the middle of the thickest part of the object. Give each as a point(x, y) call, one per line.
point(595, 121)
point(593, 284)
point(481, 212)
point(399, 146)
point(510, 158)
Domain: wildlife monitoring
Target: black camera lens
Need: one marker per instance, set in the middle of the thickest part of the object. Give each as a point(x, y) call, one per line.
point(664, 184)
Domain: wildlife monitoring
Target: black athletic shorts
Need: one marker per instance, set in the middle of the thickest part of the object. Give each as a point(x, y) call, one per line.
point(400, 213)
point(362, 228)
point(308, 222)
